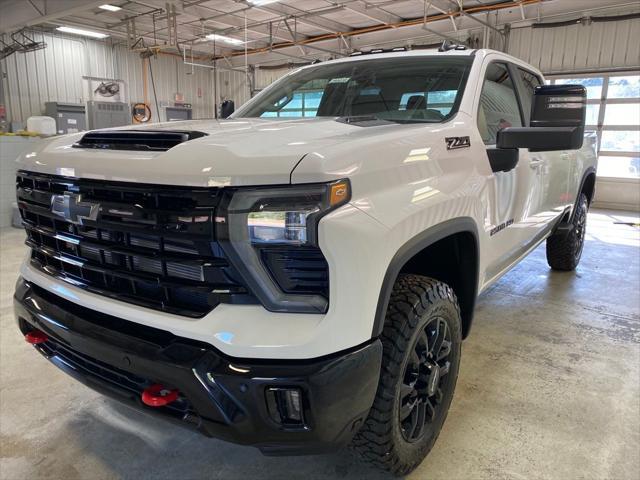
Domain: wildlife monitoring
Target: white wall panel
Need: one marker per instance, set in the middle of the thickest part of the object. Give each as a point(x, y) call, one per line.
point(233, 85)
point(55, 74)
point(265, 77)
point(599, 46)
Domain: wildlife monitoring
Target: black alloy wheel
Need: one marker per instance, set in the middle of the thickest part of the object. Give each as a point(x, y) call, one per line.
point(421, 392)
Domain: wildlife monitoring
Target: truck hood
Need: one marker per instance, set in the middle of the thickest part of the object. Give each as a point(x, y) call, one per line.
point(234, 152)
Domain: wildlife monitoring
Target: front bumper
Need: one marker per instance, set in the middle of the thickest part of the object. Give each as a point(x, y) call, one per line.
point(220, 396)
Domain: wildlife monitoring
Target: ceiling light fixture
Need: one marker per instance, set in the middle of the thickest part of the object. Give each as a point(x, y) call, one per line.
point(80, 31)
point(111, 8)
point(259, 3)
point(222, 38)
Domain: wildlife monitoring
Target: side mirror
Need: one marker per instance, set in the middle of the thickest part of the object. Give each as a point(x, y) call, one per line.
point(559, 106)
point(227, 108)
point(557, 121)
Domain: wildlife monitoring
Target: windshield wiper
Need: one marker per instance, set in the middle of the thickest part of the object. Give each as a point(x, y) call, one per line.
point(361, 119)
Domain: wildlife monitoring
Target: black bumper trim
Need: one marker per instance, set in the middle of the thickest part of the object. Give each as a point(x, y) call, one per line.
point(120, 358)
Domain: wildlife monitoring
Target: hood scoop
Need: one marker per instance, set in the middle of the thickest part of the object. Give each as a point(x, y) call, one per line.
point(145, 140)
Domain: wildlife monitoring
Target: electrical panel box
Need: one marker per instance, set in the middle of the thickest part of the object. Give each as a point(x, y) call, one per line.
point(107, 114)
point(177, 113)
point(69, 117)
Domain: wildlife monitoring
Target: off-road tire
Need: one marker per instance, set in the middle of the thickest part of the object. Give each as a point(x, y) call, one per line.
point(416, 302)
point(564, 251)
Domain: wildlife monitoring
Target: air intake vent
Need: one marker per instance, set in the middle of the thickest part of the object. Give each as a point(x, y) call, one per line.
point(149, 140)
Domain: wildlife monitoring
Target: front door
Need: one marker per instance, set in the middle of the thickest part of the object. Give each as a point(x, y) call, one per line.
point(515, 197)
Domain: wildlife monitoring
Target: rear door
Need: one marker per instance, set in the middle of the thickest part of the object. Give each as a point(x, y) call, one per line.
point(554, 169)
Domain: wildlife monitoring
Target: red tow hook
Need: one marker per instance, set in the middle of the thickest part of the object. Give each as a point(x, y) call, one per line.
point(36, 337)
point(158, 395)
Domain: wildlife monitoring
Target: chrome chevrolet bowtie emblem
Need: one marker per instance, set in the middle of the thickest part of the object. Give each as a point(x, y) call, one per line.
point(71, 207)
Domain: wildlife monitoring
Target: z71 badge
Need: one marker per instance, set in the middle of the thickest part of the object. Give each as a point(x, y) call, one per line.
point(457, 142)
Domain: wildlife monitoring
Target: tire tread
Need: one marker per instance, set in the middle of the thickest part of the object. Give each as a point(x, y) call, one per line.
point(561, 249)
point(412, 295)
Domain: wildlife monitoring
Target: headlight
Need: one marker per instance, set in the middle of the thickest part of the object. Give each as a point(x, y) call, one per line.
point(273, 226)
point(255, 220)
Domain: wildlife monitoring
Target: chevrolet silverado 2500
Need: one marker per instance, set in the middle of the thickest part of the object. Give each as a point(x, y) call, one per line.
point(300, 276)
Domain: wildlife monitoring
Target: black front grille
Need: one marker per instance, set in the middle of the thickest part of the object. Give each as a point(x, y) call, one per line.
point(152, 140)
point(150, 245)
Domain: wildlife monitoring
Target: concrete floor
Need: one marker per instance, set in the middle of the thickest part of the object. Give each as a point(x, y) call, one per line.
point(549, 388)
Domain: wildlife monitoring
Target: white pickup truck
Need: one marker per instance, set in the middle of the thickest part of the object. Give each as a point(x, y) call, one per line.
point(300, 276)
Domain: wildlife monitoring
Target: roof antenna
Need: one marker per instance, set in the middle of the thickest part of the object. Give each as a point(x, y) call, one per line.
point(449, 45)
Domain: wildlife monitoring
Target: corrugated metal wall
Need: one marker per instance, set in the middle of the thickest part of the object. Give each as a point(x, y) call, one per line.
point(265, 77)
point(233, 85)
point(55, 74)
point(601, 46)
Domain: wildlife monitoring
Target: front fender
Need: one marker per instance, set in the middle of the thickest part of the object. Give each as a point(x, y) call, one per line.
point(410, 249)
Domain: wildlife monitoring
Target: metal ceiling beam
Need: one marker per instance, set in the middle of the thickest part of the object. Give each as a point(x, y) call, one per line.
point(199, 13)
point(195, 13)
point(35, 7)
point(111, 33)
point(371, 12)
point(387, 3)
point(325, 50)
point(313, 18)
point(15, 16)
point(289, 55)
point(136, 15)
point(416, 22)
point(442, 35)
point(196, 34)
point(295, 38)
point(461, 12)
point(144, 29)
point(445, 12)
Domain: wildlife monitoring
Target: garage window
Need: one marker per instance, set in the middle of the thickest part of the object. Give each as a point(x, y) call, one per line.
point(303, 104)
point(613, 111)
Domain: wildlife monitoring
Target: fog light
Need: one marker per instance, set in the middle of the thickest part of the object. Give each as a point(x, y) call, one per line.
point(285, 406)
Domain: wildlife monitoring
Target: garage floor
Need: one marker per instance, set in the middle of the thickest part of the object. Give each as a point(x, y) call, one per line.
point(549, 388)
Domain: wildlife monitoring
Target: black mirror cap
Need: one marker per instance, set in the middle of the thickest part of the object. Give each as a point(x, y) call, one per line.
point(557, 121)
point(541, 139)
point(503, 159)
point(227, 108)
point(559, 106)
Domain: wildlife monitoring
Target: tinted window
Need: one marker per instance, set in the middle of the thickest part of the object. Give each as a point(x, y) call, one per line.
point(403, 89)
point(498, 106)
point(529, 83)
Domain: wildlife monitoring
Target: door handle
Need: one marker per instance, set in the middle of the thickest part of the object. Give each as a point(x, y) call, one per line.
point(536, 163)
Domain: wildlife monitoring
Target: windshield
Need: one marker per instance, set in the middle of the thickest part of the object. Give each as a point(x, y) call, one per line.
point(409, 89)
